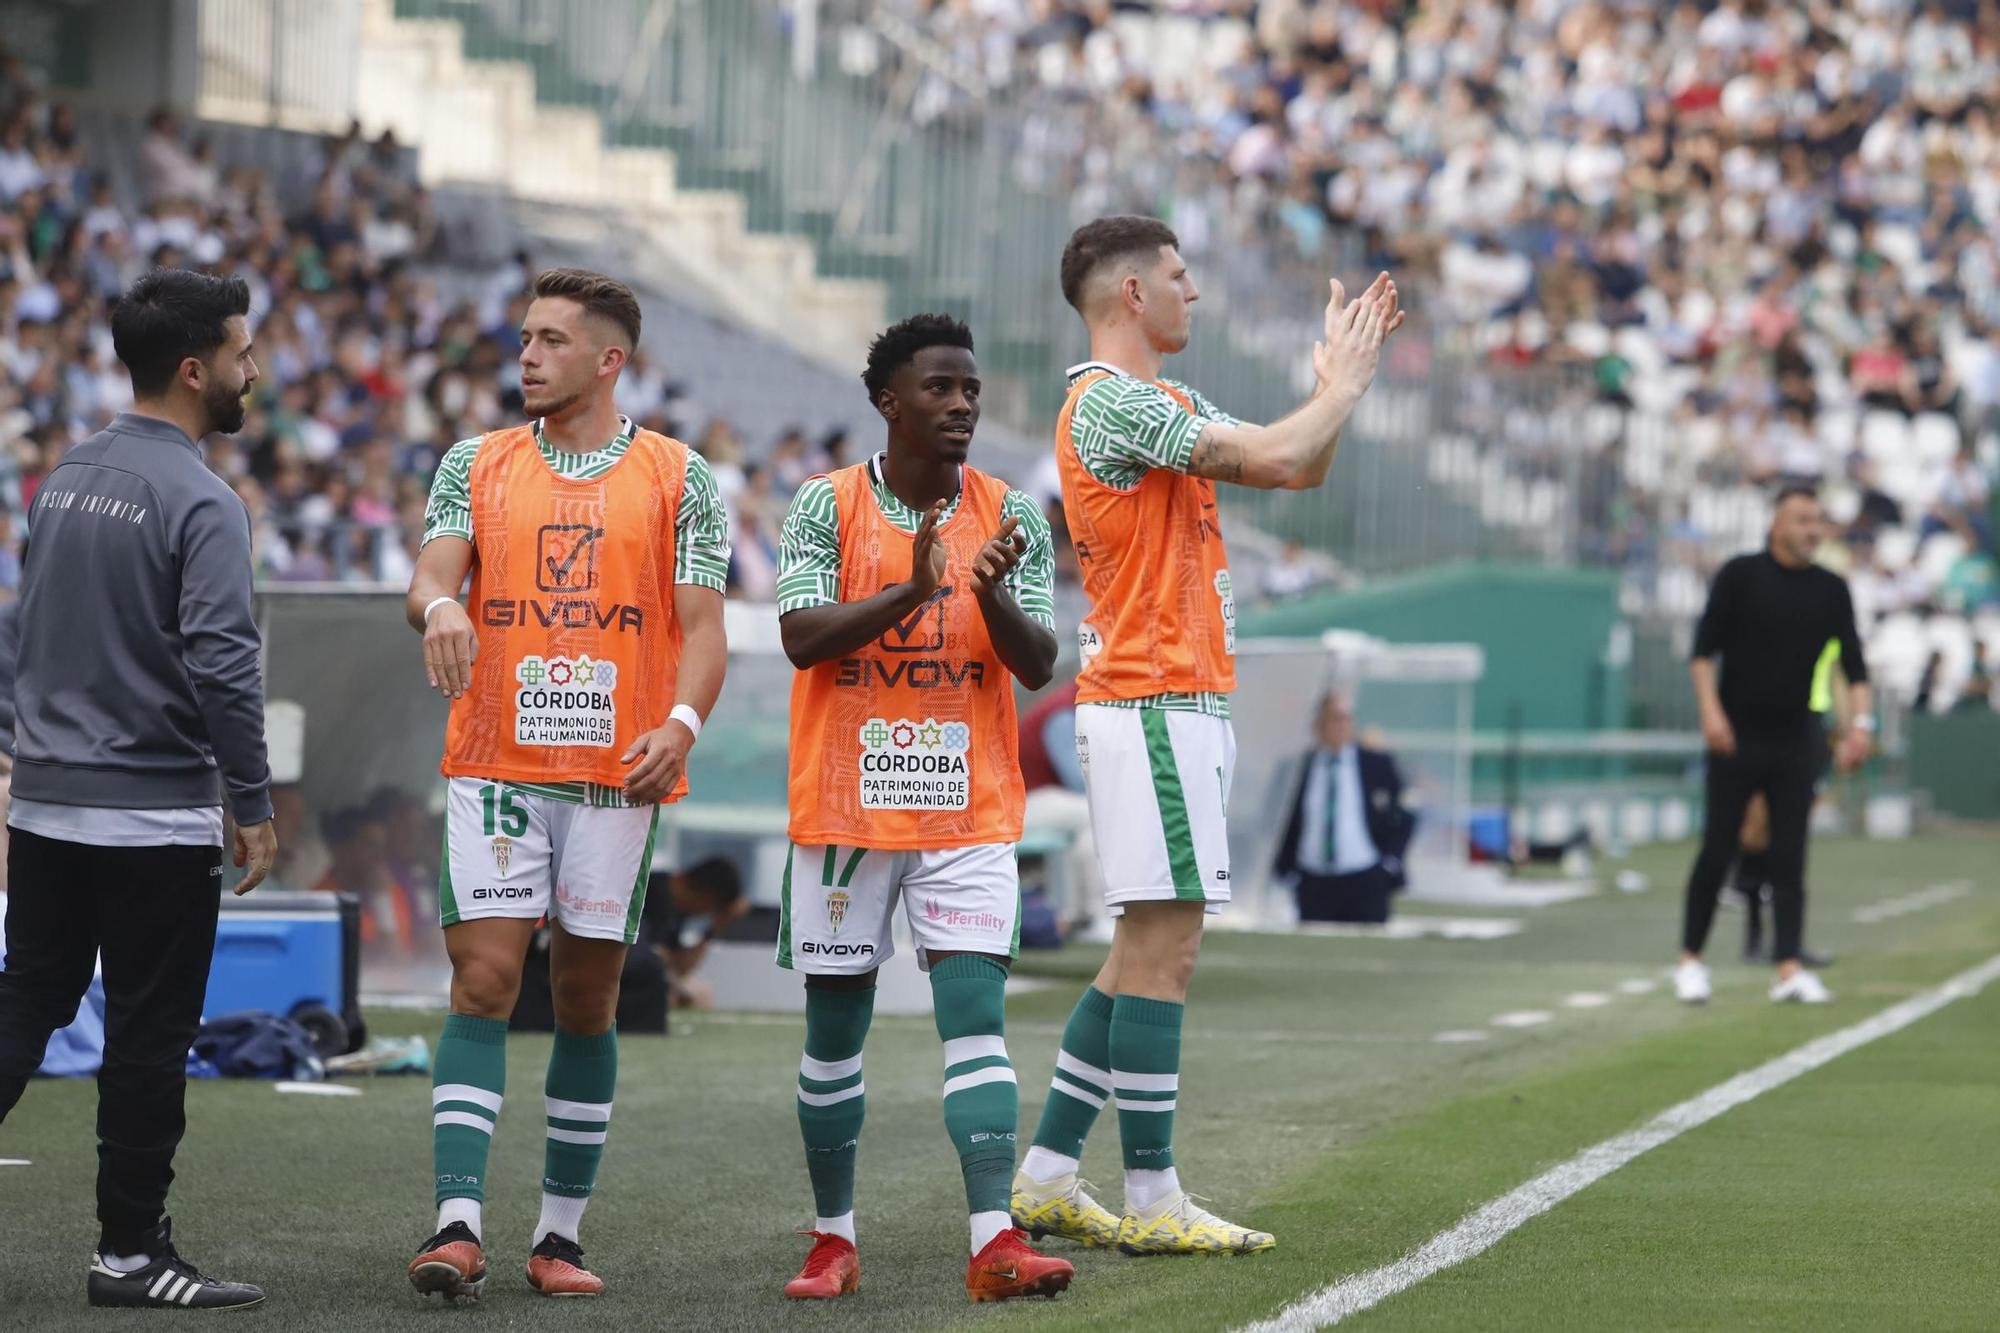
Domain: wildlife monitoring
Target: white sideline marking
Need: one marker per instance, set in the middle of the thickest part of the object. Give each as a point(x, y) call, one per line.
point(1460, 1035)
point(15, 1161)
point(1520, 1018)
point(1587, 999)
point(1937, 895)
point(318, 1089)
point(1481, 1230)
point(1637, 986)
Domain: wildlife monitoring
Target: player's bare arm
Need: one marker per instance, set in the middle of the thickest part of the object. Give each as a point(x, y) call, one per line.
point(1027, 649)
point(1296, 452)
point(432, 608)
point(815, 634)
point(659, 757)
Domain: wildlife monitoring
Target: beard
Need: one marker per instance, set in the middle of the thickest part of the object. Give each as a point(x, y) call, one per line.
point(226, 409)
point(548, 406)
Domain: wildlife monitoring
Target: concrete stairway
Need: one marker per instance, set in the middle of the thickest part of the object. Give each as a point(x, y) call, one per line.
point(478, 122)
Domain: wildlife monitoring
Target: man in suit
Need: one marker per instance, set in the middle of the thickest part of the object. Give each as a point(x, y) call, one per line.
point(1344, 843)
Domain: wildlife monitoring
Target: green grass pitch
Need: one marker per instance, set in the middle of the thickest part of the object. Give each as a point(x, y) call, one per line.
point(1316, 1103)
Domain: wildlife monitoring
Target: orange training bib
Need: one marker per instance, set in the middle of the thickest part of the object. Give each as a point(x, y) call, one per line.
point(1162, 612)
point(572, 594)
point(909, 742)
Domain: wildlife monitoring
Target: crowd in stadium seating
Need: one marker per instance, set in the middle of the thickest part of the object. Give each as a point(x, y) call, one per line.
point(368, 371)
point(1773, 228)
point(1768, 230)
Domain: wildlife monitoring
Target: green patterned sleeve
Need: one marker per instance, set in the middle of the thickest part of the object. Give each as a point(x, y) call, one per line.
point(449, 511)
point(809, 549)
point(1207, 410)
point(1033, 580)
point(701, 530)
point(1124, 427)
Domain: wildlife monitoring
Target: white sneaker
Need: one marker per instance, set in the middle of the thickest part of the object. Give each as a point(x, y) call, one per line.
point(1801, 987)
point(1691, 985)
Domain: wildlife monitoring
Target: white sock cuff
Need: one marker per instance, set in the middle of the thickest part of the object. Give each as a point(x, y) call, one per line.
point(562, 1214)
point(459, 1210)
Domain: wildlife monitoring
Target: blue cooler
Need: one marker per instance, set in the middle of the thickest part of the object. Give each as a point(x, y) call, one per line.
point(282, 953)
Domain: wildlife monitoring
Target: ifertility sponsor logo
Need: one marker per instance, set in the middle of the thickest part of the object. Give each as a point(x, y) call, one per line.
point(589, 906)
point(938, 914)
point(908, 765)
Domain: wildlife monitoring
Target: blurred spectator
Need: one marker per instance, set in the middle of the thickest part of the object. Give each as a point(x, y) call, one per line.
point(358, 841)
point(685, 910)
point(1290, 575)
point(1053, 774)
point(1343, 845)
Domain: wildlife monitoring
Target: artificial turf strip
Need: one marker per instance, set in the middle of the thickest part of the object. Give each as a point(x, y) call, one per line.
point(1314, 1104)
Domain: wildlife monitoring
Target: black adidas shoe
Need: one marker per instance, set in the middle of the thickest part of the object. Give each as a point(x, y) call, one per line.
point(169, 1282)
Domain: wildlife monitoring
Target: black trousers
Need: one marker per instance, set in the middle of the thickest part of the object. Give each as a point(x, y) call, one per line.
point(151, 911)
point(1360, 897)
point(1785, 768)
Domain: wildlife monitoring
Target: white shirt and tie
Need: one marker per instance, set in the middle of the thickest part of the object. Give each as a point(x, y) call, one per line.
point(1333, 830)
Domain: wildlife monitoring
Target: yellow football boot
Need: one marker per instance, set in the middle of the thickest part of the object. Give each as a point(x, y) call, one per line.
point(1062, 1208)
point(1179, 1225)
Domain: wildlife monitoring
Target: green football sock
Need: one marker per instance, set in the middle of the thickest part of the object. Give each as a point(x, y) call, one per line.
point(1145, 1074)
point(982, 1102)
point(1082, 1081)
point(468, 1080)
point(583, 1075)
point(832, 1097)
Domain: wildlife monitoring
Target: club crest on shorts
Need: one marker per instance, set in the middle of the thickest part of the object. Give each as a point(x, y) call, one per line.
point(503, 852)
point(836, 910)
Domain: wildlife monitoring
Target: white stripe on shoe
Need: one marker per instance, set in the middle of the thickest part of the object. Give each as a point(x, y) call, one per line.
point(465, 1092)
point(160, 1282)
point(187, 1297)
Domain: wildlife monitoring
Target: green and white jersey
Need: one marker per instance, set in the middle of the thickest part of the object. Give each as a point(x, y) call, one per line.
point(809, 546)
point(1124, 427)
point(701, 541)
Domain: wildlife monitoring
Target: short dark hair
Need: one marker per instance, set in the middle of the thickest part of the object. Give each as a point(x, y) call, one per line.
point(169, 315)
point(604, 297)
point(1106, 240)
point(899, 344)
point(716, 875)
point(1793, 489)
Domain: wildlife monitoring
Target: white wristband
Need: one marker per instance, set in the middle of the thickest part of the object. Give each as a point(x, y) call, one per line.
point(687, 717)
point(435, 603)
point(1862, 722)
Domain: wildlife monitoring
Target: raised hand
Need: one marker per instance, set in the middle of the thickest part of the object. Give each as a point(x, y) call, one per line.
point(1345, 362)
point(998, 557)
point(927, 557)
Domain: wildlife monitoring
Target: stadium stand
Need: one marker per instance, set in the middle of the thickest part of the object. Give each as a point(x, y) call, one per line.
point(1702, 249)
